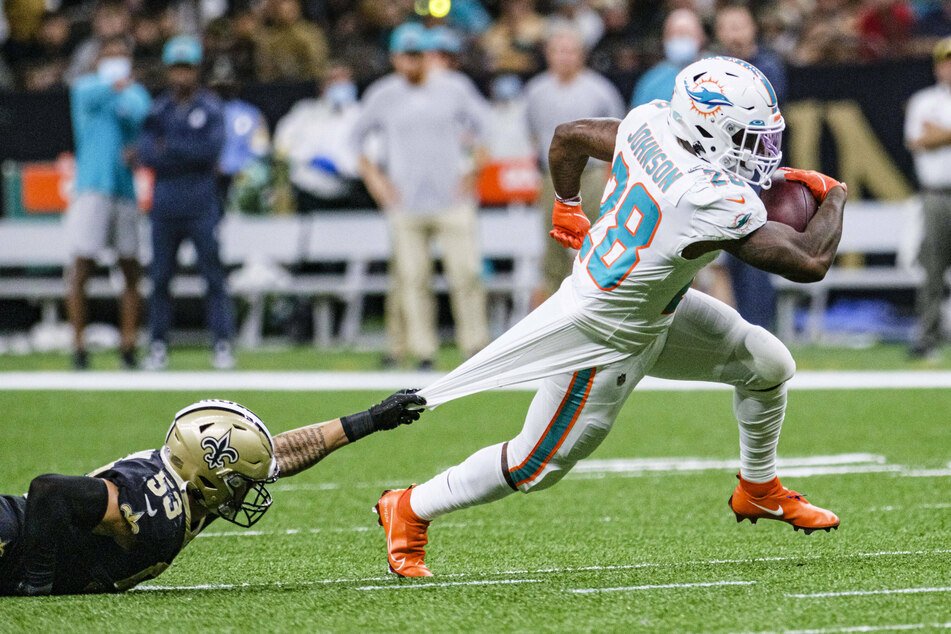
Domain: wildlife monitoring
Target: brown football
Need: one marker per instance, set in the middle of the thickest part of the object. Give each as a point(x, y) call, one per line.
point(789, 202)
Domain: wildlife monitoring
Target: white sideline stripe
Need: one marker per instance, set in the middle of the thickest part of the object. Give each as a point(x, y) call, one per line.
point(417, 586)
point(676, 564)
point(866, 593)
point(340, 381)
point(870, 628)
point(662, 586)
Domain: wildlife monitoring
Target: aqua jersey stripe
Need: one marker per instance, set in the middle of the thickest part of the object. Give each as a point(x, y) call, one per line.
point(563, 420)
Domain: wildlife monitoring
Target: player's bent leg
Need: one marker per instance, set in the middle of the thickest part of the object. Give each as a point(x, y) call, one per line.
point(568, 418)
point(709, 341)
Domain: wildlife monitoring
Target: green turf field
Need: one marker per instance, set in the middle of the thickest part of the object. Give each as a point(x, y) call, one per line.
point(620, 553)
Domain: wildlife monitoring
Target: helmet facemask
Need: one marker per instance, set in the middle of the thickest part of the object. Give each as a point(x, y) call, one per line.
point(755, 153)
point(239, 509)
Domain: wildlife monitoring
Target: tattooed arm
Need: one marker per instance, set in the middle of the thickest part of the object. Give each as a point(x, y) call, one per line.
point(572, 145)
point(302, 448)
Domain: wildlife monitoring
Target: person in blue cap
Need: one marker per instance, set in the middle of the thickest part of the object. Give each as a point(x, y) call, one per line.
point(181, 141)
point(431, 129)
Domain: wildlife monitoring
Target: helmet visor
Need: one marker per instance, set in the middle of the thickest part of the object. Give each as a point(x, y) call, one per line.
point(249, 500)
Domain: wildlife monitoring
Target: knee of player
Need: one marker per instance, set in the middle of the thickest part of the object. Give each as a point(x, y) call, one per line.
point(773, 364)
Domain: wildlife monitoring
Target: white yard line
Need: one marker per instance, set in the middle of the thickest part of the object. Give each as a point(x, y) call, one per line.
point(556, 570)
point(662, 586)
point(869, 628)
point(338, 381)
point(417, 586)
point(867, 593)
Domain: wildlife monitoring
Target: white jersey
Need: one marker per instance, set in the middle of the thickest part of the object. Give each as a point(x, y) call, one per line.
point(629, 275)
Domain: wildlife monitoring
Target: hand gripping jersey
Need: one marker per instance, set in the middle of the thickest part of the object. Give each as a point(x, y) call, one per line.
point(151, 499)
point(629, 275)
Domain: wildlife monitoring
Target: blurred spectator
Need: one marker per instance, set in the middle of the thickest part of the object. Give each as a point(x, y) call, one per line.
point(147, 52)
point(577, 16)
point(107, 109)
point(828, 34)
point(291, 48)
point(110, 19)
point(617, 55)
point(314, 139)
point(182, 141)
point(424, 185)
point(683, 40)
point(753, 292)
point(243, 168)
point(885, 29)
point(928, 136)
point(41, 62)
point(936, 22)
point(233, 41)
point(443, 47)
point(513, 43)
point(508, 135)
point(565, 92)
point(780, 23)
point(23, 18)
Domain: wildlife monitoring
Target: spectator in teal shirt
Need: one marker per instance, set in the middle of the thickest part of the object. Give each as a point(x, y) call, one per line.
point(683, 40)
point(107, 109)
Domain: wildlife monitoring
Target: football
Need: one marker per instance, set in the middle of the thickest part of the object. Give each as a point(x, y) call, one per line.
point(789, 202)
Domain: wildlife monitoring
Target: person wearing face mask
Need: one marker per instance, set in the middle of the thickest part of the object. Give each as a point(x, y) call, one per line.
point(313, 139)
point(683, 40)
point(107, 109)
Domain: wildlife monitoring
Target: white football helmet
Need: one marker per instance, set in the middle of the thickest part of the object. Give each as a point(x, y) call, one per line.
point(223, 452)
point(727, 111)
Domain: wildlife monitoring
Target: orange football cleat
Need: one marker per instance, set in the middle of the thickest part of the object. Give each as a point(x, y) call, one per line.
point(779, 503)
point(405, 534)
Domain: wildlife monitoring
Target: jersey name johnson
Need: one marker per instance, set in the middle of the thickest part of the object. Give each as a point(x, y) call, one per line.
point(660, 197)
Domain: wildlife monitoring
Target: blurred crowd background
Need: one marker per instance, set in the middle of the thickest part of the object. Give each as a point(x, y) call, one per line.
point(48, 43)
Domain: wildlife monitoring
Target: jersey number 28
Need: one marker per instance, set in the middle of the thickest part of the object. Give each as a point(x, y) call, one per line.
point(633, 216)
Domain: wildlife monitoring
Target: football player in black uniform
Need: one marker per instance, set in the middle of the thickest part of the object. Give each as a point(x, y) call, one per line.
point(125, 523)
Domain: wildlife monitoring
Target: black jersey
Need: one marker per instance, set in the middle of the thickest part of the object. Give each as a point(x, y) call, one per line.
point(152, 501)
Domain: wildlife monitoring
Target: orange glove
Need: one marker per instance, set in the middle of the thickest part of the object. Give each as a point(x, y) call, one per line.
point(817, 182)
point(571, 225)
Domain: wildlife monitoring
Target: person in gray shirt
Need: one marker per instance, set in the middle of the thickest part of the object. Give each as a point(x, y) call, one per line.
point(430, 129)
point(565, 92)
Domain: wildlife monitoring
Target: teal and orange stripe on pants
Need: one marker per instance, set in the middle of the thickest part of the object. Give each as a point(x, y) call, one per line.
point(558, 428)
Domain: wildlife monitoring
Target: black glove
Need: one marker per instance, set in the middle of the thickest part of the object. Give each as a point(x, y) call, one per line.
point(24, 589)
point(392, 412)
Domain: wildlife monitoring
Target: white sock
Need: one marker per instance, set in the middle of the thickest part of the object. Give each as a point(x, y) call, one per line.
point(477, 480)
point(760, 415)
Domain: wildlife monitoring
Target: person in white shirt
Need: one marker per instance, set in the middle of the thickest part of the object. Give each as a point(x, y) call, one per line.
point(314, 140)
point(928, 136)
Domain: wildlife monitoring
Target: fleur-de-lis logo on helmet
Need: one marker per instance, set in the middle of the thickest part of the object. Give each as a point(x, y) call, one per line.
point(218, 450)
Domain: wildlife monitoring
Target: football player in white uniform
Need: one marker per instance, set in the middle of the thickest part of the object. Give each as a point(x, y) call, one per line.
point(681, 189)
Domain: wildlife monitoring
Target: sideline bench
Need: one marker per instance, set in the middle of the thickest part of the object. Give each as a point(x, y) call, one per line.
point(264, 252)
point(869, 228)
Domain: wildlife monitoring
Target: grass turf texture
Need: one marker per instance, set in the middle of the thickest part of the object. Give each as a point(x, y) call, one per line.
point(677, 524)
point(306, 358)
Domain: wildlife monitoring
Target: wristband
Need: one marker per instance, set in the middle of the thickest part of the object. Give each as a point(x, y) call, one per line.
point(358, 425)
point(574, 201)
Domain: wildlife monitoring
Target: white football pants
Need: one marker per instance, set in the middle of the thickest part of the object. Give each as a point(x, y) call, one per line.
point(586, 384)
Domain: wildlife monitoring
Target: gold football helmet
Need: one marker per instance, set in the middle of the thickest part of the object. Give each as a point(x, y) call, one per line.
point(223, 452)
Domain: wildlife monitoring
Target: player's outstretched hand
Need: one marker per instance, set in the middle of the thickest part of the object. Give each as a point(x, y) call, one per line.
point(397, 409)
point(817, 182)
point(570, 224)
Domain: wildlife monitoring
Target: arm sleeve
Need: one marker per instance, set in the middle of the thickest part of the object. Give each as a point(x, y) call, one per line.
point(151, 146)
point(367, 122)
point(90, 94)
point(133, 104)
point(55, 505)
